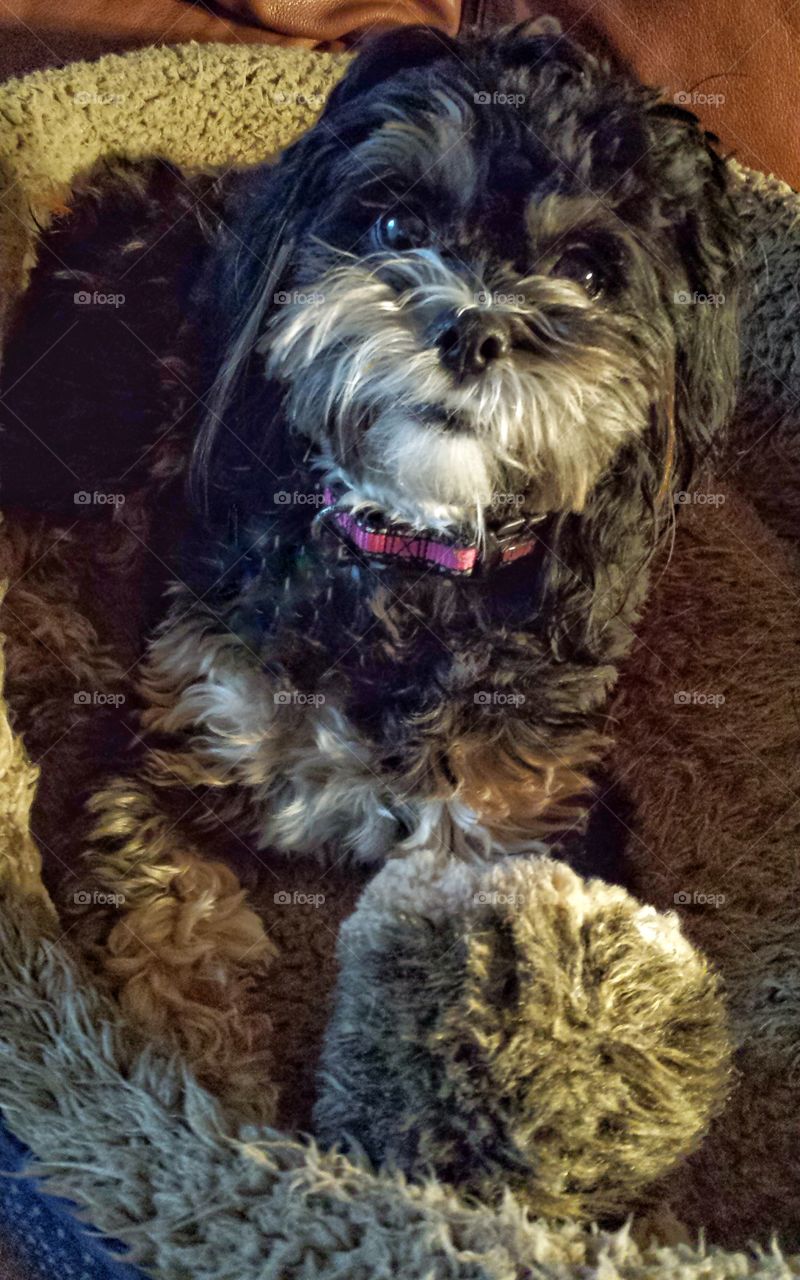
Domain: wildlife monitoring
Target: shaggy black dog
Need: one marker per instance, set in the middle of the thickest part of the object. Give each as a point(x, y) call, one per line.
point(495, 279)
point(457, 351)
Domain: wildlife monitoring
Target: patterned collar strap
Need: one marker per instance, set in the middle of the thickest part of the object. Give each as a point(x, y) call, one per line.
point(511, 542)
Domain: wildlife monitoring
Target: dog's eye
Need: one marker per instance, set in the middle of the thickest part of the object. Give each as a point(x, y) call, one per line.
point(582, 264)
point(400, 232)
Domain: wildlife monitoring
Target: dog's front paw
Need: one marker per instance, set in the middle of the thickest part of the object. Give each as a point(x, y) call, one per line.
point(183, 965)
point(515, 1025)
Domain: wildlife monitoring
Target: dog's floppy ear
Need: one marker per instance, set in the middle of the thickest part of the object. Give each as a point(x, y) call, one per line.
point(709, 252)
point(545, 25)
point(386, 55)
point(243, 277)
point(266, 216)
point(269, 204)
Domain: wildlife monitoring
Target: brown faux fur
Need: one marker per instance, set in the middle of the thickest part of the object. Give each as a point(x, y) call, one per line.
point(715, 787)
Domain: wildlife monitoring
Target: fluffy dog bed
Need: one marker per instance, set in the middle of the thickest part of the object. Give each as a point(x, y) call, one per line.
point(706, 798)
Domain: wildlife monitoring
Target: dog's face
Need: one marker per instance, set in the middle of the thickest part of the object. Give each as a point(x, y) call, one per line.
point(490, 271)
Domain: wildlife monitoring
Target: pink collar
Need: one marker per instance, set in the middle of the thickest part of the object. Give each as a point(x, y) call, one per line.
point(510, 542)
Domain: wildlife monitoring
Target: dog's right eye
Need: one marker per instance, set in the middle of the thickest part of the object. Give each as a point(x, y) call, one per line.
point(400, 232)
point(582, 263)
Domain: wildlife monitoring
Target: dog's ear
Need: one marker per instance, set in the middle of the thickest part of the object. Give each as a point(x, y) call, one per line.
point(386, 55)
point(268, 204)
point(704, 301)
point(545, 25)
point(267, 214)
point(245, 271)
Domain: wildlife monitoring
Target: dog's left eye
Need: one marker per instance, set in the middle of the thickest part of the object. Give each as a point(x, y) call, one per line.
point(582, 264)
point(400, 232)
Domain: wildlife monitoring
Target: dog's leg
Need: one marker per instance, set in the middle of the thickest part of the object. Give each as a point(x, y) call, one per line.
point(177, 942)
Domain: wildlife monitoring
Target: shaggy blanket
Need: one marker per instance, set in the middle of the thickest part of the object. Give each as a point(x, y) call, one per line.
point(707, 756)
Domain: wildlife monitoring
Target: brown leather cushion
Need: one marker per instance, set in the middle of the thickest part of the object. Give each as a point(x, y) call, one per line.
point(735, 63)
point(334, 20)
point(46, 33)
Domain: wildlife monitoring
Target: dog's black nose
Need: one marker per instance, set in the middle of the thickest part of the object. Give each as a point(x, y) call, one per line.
point(468, 343)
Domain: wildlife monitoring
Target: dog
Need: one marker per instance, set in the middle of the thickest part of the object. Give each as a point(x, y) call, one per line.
point(459, 347)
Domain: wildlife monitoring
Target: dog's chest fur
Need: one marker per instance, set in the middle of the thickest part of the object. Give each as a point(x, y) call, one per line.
point(355, 708)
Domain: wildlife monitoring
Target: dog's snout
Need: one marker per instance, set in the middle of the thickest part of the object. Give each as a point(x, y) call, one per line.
point(470, 342)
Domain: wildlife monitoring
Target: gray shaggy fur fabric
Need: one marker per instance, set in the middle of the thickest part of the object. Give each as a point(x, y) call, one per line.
point(549, 1035)
point(123, 1128)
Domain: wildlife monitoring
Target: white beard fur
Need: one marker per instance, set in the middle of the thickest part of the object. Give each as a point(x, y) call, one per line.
point(546, 424)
